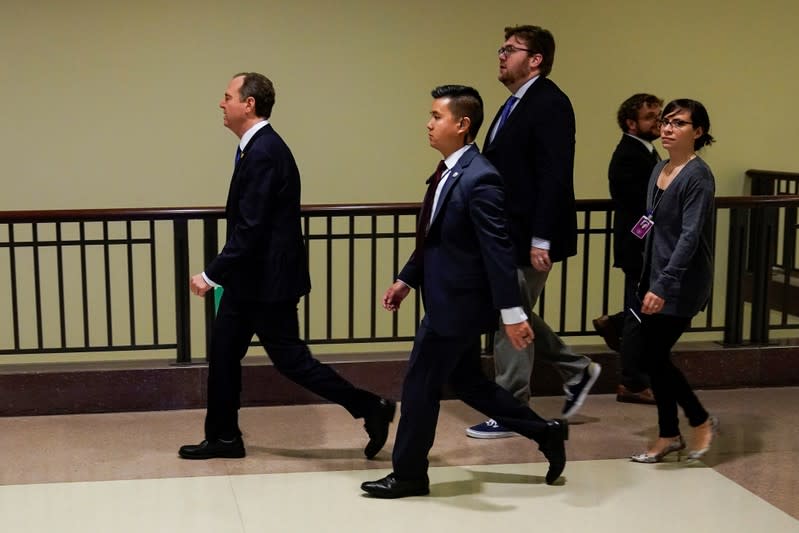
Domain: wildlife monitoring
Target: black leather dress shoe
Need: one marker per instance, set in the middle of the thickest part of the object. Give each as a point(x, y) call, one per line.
point(645, 396)
point(391, 487)
point(554, 448)
point(376, 425)
point(604, 326)
point(212, 449)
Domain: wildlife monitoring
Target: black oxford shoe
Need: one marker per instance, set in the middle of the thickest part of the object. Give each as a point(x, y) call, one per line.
point(212, 449)
point(607, 330)
point(391, 487)
point(554, 448)
point(646, 396)
point(376, 425)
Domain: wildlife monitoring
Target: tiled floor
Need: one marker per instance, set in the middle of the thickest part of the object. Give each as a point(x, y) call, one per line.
point(120, 473)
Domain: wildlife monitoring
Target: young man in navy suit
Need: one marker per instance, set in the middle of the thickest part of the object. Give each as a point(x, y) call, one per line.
point(463, 264)
point(531, 143)
point(264, 270)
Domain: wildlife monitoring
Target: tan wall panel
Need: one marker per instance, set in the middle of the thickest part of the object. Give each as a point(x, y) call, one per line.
point(115, 104)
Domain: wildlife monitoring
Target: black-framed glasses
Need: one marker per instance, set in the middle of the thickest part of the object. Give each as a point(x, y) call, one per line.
point(510, 49)
point(674, 123)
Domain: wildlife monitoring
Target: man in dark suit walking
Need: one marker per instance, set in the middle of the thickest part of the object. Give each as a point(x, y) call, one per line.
point(463, 263)
point(264, 270)
point(628, 175)
point(531, 143)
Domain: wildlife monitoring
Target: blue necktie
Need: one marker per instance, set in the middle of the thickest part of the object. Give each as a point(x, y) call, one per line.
point(238, 156)
point(505, 112)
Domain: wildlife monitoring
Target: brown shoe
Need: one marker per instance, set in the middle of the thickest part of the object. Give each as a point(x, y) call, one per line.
point(604, 326)
point(623, 394)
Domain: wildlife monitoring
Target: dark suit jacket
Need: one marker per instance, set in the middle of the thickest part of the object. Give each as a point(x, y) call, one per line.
point(534, 153)
point(264, 257)
point(628, 175)
point(468, 272)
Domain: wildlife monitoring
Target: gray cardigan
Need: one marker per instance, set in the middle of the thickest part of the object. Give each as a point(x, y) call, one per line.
point(678, 255)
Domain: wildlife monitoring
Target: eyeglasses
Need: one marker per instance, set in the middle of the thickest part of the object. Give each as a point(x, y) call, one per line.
point(510, 49)
point(674, 123)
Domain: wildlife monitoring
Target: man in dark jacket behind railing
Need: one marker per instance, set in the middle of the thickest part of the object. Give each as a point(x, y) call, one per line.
point(628, 175)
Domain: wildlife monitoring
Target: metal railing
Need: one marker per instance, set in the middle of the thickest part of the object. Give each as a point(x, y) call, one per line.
point(772, 182)
point(777, 276)
point(113, 280)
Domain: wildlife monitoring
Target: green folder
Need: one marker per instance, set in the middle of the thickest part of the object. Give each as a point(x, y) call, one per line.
point(217, 298)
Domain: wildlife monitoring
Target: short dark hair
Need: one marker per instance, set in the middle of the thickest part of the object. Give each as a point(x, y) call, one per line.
point(538, 41)
point(261, 89)
point(699, 117)
point(630, 107)
point(464, 102)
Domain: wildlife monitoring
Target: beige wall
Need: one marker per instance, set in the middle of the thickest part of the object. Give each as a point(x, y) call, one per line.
point(114, 104)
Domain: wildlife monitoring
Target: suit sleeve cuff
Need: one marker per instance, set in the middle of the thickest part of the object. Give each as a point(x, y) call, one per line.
point(513, 315)
point(540, 243)
point(209, 282)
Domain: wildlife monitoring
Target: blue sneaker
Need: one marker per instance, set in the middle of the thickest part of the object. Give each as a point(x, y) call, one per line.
point(575, 394)
point(489, 429)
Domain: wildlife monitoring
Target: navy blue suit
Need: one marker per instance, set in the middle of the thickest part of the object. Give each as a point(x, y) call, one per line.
point(534, 153)
point(466, 276)
point(264, 256)
point(264, 270)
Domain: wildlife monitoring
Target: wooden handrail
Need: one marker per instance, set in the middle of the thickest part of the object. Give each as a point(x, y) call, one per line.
point(170, 213)
point(778, 174)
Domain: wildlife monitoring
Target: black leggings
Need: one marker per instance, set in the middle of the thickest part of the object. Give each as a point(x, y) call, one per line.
point(659, 334)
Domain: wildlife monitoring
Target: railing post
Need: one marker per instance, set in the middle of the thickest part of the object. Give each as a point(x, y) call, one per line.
point(789, 242)
point(762, 184)
point(180, 227)
point(764, 231)
point(736, 258)
point(210, 250)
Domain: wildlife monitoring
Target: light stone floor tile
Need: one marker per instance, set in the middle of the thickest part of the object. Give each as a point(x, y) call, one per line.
point(597, 496)
point(130, 506)
point(119, 472)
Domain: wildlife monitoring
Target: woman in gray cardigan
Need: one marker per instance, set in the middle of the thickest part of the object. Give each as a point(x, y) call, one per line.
point(678, 273)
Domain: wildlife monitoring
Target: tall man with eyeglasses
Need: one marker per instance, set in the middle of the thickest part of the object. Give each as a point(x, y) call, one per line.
point(531, 143)
point(628, 175)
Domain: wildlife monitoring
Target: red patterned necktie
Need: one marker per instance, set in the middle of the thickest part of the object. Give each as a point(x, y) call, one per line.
point(427, 207)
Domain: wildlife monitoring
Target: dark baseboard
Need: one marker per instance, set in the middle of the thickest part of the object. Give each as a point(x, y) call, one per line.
point(44, 389)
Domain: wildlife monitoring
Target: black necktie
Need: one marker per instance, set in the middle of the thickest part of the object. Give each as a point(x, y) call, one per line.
point(427, 207)
point(655, 155)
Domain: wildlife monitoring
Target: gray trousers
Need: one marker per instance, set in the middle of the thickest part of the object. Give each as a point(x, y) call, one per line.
point(514, 367)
